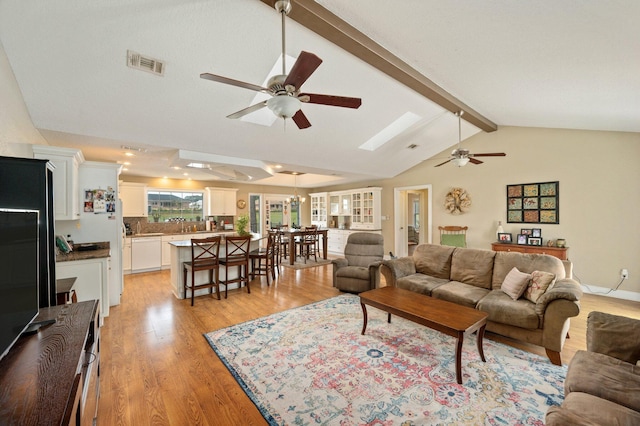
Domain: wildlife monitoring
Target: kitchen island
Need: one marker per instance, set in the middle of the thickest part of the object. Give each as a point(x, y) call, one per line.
point(181, 252)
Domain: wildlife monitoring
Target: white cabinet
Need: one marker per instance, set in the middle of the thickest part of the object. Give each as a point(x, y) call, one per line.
point(65, 179)
point(365, 209)
point(222, 201)
point(134, 199)
point(92, 280)
point(166, 247)
point(319, 209)
point(337, 239)
point(126, 256)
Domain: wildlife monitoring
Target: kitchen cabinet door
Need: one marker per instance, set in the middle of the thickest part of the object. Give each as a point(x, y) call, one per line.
point(92, 280)
point(134, 199)
point(65, 179)
point(222, 201)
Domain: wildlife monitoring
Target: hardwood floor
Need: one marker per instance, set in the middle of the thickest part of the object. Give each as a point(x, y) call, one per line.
point(157, 368)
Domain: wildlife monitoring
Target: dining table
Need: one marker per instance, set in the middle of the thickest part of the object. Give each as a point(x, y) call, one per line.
point(292, 233)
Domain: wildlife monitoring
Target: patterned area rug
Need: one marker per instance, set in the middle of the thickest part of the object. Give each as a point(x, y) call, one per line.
point(299, 264)
point(310, 365)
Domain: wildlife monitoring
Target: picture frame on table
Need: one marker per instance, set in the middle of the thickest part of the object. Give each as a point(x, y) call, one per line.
point(522, 239)
point(534, 241)
point(526, 231)
point(536, 233)
point(504, 237)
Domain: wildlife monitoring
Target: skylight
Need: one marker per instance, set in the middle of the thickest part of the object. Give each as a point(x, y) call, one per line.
point(407, 120)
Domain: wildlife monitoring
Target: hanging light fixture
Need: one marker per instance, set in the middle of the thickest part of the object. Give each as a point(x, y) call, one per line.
point(295, 198)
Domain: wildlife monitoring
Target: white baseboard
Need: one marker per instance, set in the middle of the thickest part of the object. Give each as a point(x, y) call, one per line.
point(617, 294)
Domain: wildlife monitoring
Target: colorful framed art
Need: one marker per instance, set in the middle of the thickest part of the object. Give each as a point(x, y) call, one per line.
point(533, 203)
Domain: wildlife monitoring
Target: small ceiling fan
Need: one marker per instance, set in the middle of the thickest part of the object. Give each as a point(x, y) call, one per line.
point(461, 156)
point(286, 99)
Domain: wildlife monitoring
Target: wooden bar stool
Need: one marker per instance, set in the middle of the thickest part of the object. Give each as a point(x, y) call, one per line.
point(237, 255)
point(204, 257)
point(266, 258)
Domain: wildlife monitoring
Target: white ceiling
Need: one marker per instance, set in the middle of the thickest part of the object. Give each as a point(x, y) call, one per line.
point(571, 64)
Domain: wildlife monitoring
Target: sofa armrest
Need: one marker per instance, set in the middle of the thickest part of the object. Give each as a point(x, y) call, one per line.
point(567, 289)
point(394, 269)
point(614, 335)
point(374, 274)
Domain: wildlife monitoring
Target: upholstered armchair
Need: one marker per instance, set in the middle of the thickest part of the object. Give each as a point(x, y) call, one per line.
point(359, 270)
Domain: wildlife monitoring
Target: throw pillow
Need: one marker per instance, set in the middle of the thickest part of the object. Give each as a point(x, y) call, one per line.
point(515, 283)
point(540, 282)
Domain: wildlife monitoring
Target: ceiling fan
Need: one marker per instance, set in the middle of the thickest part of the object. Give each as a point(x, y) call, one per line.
point(461, 156)
point(286, 99)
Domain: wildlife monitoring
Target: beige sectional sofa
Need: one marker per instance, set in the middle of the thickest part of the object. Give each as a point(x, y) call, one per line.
point(603, 383)
point(474, 278)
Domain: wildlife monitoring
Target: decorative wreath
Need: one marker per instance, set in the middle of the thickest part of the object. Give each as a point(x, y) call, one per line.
point(457, 201)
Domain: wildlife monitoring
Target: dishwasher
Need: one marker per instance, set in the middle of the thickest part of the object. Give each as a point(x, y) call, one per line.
point(146, 254)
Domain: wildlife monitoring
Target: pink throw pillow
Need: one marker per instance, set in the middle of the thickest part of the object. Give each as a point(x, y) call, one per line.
point(540, 282)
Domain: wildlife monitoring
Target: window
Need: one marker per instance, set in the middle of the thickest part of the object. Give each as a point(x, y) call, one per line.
point(165, 206)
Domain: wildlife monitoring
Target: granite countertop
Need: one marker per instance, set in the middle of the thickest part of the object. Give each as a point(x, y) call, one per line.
point(103, 250)
point(160, 234)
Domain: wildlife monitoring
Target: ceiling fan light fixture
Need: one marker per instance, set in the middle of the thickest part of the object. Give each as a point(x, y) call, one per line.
point(284, 106)
point(459, 162)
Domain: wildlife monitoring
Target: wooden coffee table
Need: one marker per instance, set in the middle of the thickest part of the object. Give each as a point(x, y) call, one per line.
point(445, 317)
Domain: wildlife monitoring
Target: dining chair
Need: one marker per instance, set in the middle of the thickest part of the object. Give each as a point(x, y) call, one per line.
point(265, 257)
point(204, 257)
point(308, 243)
point(455, 236)
point(236, 255)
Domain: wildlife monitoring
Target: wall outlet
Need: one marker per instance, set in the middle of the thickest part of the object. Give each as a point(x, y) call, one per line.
point(624, 274)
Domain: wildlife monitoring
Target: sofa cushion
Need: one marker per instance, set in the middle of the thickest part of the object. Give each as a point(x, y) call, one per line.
point(525, 262)
point(420, 283)
point(473, 267)
point(583, 409)
point(504, 310)
point(460, 293)
point(539, 283)
point(610, 335)
point(515, 283)
point(605, 377)
point(433, 260)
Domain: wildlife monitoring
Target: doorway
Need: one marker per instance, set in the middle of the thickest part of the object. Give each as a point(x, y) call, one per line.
point(412, 218)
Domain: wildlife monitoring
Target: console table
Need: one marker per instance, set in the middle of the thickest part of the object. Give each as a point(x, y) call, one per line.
point(560, 253)
point(51, 377)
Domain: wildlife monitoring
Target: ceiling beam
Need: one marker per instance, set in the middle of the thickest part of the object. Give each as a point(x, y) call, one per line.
point(316, 18)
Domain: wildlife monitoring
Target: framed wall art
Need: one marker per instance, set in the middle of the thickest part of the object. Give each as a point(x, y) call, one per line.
point(533, 203)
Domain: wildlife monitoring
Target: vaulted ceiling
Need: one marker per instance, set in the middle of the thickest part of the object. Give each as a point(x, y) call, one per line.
point(570, 64)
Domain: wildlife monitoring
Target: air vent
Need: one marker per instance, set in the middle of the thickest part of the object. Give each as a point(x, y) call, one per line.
point(144, 63)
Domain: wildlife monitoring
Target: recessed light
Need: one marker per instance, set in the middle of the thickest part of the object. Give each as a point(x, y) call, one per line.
point(127, 163)
point(185, 174)
point(129, 154)
point(125, 169)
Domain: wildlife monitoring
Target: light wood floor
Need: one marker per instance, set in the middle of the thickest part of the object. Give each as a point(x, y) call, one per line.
point(157, 368)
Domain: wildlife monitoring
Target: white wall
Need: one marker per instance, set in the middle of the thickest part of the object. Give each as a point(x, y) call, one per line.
point(598, 173)
point(17, 132)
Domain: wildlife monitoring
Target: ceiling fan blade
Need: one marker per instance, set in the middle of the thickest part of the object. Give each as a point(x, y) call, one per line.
point(248, 110)
point(474, 161)
point(232, 82)
point(302, 69)
point(340, 101)
point(301, 120)
point(442, 164)
point(489, 154)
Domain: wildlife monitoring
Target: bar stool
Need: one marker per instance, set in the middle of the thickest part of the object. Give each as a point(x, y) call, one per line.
point(266, 257)
point(236, 255)
point(206, 259)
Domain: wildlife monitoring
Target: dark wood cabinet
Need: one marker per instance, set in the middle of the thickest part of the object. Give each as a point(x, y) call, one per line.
point(52, 377)
point(26, 183)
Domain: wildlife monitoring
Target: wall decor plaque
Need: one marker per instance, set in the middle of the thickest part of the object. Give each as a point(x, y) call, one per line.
point(533, 203)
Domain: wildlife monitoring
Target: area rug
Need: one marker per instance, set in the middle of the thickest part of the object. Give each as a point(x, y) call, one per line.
point(311, 365)
point(299, 264)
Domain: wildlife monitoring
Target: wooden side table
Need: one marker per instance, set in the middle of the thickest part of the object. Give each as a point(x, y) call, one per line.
point(560, 253)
